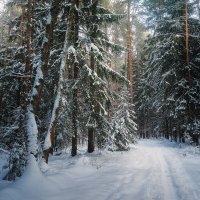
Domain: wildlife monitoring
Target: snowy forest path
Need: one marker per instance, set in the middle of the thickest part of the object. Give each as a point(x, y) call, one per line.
point(168, 175)
point(151, 170)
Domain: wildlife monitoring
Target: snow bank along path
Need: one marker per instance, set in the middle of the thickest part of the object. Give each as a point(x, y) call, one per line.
point(153, 170)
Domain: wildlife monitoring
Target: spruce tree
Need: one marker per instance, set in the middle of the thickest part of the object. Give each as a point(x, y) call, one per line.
point(173, 93)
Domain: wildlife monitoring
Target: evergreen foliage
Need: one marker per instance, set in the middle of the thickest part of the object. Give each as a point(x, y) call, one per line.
point(69, 86)
point(123, 126)
point(169, 92)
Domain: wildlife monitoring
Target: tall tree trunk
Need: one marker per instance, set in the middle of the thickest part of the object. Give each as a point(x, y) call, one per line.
point(187, 43)
point(187, 59)
point(28, 66)
point(74, 115)
point(91, 129)
point(22, 25)
point(74, 122)
point(46, 47)
point(91, 146)
point(75, 31)
point(32, 130)
point(21, 43)
point(28, 59)
point(130, 51)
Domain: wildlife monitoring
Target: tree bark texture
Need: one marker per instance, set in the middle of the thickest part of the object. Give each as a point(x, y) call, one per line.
point(91, 130)
point(28, 65)
point(47, 44)
point(32, 130)
point(75, 31)
point(130, 51)
point(187, 43)
point(91, 140)
point(22, 25)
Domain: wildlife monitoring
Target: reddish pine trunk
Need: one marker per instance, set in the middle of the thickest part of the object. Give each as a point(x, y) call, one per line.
point(22, 25)
point(187, 43)
point(130, 51)
point(46, 48)
point(46, 52)
point(28, 65)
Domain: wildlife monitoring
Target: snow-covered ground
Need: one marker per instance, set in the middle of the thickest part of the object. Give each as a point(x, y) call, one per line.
point(152, 170)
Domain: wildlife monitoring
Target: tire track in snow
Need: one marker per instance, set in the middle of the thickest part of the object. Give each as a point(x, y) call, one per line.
point(125, 187)
point(185, 186)
point(157, 174)
point(170, 180)
point(164, 179)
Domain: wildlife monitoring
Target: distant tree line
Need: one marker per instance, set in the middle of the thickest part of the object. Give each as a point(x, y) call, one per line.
point(168, 89)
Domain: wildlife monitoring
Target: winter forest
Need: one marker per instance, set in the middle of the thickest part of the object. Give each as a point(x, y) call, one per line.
point(99, 99)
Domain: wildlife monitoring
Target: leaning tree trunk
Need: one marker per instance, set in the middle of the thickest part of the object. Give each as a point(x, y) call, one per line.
point(32, 129)
point(45, 55)
point(71, 36)
point(50, 138)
